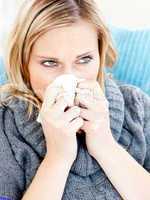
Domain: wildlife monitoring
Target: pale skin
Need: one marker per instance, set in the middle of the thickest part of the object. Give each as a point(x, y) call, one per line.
point(130, 179)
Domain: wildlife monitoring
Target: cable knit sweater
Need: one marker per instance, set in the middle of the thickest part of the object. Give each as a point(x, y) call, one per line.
point(23, 146)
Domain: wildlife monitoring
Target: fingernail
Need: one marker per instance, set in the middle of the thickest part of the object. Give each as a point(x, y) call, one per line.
point(77, 109)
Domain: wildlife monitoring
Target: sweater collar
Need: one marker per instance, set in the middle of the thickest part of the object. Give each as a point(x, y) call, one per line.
point(84, 163)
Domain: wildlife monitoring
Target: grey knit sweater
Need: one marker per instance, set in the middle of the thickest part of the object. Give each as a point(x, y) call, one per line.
point(23, 147)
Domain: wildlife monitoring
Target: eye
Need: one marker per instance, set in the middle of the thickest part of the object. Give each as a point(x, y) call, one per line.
point(53, 63)
point(85, 60)
point(49, 63)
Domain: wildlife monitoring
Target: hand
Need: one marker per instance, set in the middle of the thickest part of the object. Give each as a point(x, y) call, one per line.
point(95, 113)
point(60, 126)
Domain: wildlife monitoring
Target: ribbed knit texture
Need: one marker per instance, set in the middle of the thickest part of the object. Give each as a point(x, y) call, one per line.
point(4, 198)
point(23, 147)
point(133, 64)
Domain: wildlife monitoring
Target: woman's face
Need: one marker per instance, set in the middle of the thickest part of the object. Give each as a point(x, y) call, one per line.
point(71, 49)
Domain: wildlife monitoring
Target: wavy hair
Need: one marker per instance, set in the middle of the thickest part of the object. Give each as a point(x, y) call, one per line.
point(35, 18)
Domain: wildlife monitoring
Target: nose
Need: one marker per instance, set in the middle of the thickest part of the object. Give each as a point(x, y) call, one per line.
point(67, 70)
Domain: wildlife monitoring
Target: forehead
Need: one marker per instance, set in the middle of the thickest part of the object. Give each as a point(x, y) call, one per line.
point(78, 35)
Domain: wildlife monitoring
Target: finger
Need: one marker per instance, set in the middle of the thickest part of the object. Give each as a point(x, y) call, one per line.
point(76, 124)
point(89, 95)
point(85, 114)
point(93, 86)
point(83, 102)
point(57, 109)
point(88, 115)
point(72, 113)
point(89, 127)
point(50, 95)
point(84, 91)
point(69, 96)
point(60, 105)
point(85, 126)
point(48, 101)
point(86, 84)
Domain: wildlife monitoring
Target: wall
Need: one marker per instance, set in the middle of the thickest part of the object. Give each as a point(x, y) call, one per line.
point(131, 14)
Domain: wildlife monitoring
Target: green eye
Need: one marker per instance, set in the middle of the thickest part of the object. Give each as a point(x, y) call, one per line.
point(52, 63)
point(49, 63)
point(85, 60)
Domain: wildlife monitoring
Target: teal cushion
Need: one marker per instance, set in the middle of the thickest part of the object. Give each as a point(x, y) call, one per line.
point(3, 78)
point(133, 64)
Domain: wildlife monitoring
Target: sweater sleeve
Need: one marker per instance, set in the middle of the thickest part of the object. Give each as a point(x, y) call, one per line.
point(11, 174)
point(146, 100)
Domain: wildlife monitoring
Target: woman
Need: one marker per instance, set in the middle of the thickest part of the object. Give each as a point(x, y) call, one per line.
point(110, 157)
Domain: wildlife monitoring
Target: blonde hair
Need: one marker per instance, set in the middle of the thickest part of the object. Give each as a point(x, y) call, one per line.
point(36, 18)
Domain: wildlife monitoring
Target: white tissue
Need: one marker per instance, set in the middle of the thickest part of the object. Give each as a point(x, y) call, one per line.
point(68, 84)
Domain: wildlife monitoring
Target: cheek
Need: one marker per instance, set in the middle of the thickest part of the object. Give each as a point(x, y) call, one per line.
point(92, 71)
point(39, 80)
point(38, 84)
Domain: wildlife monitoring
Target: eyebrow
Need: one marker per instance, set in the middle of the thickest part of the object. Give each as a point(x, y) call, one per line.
point(79, 56)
